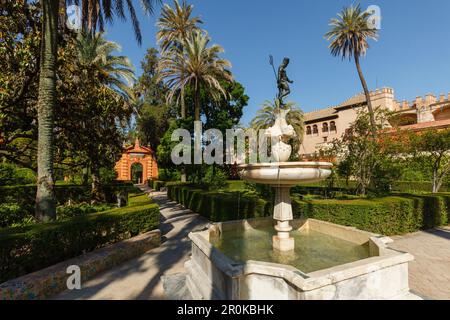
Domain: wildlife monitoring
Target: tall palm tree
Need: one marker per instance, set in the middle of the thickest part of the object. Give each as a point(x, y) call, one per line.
point(93, 12)
point(115, 72)
point(349, 35)
point(265, 117)
point(174, 26)
point(198, 67)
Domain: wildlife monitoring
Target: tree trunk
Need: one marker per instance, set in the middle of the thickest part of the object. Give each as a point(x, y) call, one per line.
point(183, 104)
point(367, 94)
point(197, 104)
point(435, 181)
point(96, 190)
point(183, 116)
point(45, 196)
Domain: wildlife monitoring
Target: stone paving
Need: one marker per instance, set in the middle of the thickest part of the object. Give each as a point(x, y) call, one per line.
point(142, 278)
point(429, 273)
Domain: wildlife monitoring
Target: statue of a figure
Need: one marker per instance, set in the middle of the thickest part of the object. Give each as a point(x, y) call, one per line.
point(283, 81)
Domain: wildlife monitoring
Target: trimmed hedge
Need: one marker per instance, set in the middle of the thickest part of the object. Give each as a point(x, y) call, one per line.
point(219, 205)
point(27, 249)
point(388, 215)
point(156, 184)
point(26, 194)
point(417, 186)
point(391, 215)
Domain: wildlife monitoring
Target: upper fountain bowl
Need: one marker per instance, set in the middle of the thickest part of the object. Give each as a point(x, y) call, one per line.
point(285, 173)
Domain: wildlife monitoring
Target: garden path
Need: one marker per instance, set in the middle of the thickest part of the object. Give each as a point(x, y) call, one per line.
point(429, 273)
point(140, 278)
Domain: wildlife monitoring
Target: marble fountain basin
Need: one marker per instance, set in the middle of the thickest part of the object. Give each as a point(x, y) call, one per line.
point(373, 271)
point(285, 173)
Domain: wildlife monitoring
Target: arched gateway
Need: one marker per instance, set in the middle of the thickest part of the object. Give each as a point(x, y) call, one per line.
point(134, 155)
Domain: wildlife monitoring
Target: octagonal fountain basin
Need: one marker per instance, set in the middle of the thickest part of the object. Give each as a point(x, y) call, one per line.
point(235, 260)
point(285, 173)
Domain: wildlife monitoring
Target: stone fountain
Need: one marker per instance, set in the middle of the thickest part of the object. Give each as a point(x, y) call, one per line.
point(282, 175)
point(235, 260)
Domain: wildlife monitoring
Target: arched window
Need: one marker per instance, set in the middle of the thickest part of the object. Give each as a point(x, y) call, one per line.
point(325, 127)
point(315, 129)
point(333, 126)
point(308, 130)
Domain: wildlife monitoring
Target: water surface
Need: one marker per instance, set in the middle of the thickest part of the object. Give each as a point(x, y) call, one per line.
point(313, 250)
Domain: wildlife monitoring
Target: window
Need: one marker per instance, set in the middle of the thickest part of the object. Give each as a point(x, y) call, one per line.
point(333, 126)
point(325, 127)
point(308, 130)
point(315, 129)
point(325, 139)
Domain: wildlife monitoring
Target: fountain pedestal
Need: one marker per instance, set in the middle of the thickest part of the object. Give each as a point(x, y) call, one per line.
point(282, 213)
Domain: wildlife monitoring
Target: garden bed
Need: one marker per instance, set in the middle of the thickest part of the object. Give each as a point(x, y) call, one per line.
point(27, 249)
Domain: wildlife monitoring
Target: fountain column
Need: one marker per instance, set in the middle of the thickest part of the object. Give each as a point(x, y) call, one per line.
point(282, 213)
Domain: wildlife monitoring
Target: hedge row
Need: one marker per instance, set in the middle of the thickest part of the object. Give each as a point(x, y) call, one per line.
point(342, 186)
point(156, 184)
point(398, 214)
point(219, 205)
point(25, 195)
point(388, 215)
point(27, 249)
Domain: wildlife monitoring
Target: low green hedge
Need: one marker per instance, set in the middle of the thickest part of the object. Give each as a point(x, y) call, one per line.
point(219, 205)
point(417, 186)
point(27, 249)
point(63, 193)
point(398, 214)
point(156, 184)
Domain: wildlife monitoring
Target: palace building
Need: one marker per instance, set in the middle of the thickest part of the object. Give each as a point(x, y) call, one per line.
point(325, 125)
point(137, 164)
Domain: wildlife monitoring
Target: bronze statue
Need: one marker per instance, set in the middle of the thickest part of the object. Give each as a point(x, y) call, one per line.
point(282, 80)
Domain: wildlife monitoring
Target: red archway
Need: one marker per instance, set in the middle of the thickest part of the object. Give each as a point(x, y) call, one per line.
point(137, 154)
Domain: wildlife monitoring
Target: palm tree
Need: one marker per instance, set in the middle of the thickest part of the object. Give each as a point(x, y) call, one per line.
point(115, 72)
point(349, 35)
point(174, 26)
point(197, 67)
point(265, 117)
point(93, 12)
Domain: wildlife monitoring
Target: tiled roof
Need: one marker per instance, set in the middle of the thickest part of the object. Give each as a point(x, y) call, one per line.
point(359, 98)
point(320, 114)
point(427, 125)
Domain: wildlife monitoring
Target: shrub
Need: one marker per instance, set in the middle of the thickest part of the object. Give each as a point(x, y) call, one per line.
point(388, 215)
point(219, 205)
point(27, 249)
point(168, 174)
point(11, 174)
point(11, 213)
point(24, 195)
point(80, 209)
point(215, 178)
point(156, 184)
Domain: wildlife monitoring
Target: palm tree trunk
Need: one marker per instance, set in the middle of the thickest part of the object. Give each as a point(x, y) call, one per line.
point(45, 197)
point(197, 104)
point(367, 94)
point(183, 116)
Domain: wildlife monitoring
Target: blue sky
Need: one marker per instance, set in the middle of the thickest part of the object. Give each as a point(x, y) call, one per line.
point(412, 54)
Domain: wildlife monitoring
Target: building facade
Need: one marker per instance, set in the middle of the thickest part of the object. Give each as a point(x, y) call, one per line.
point(325, 125)
point(138, 164)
